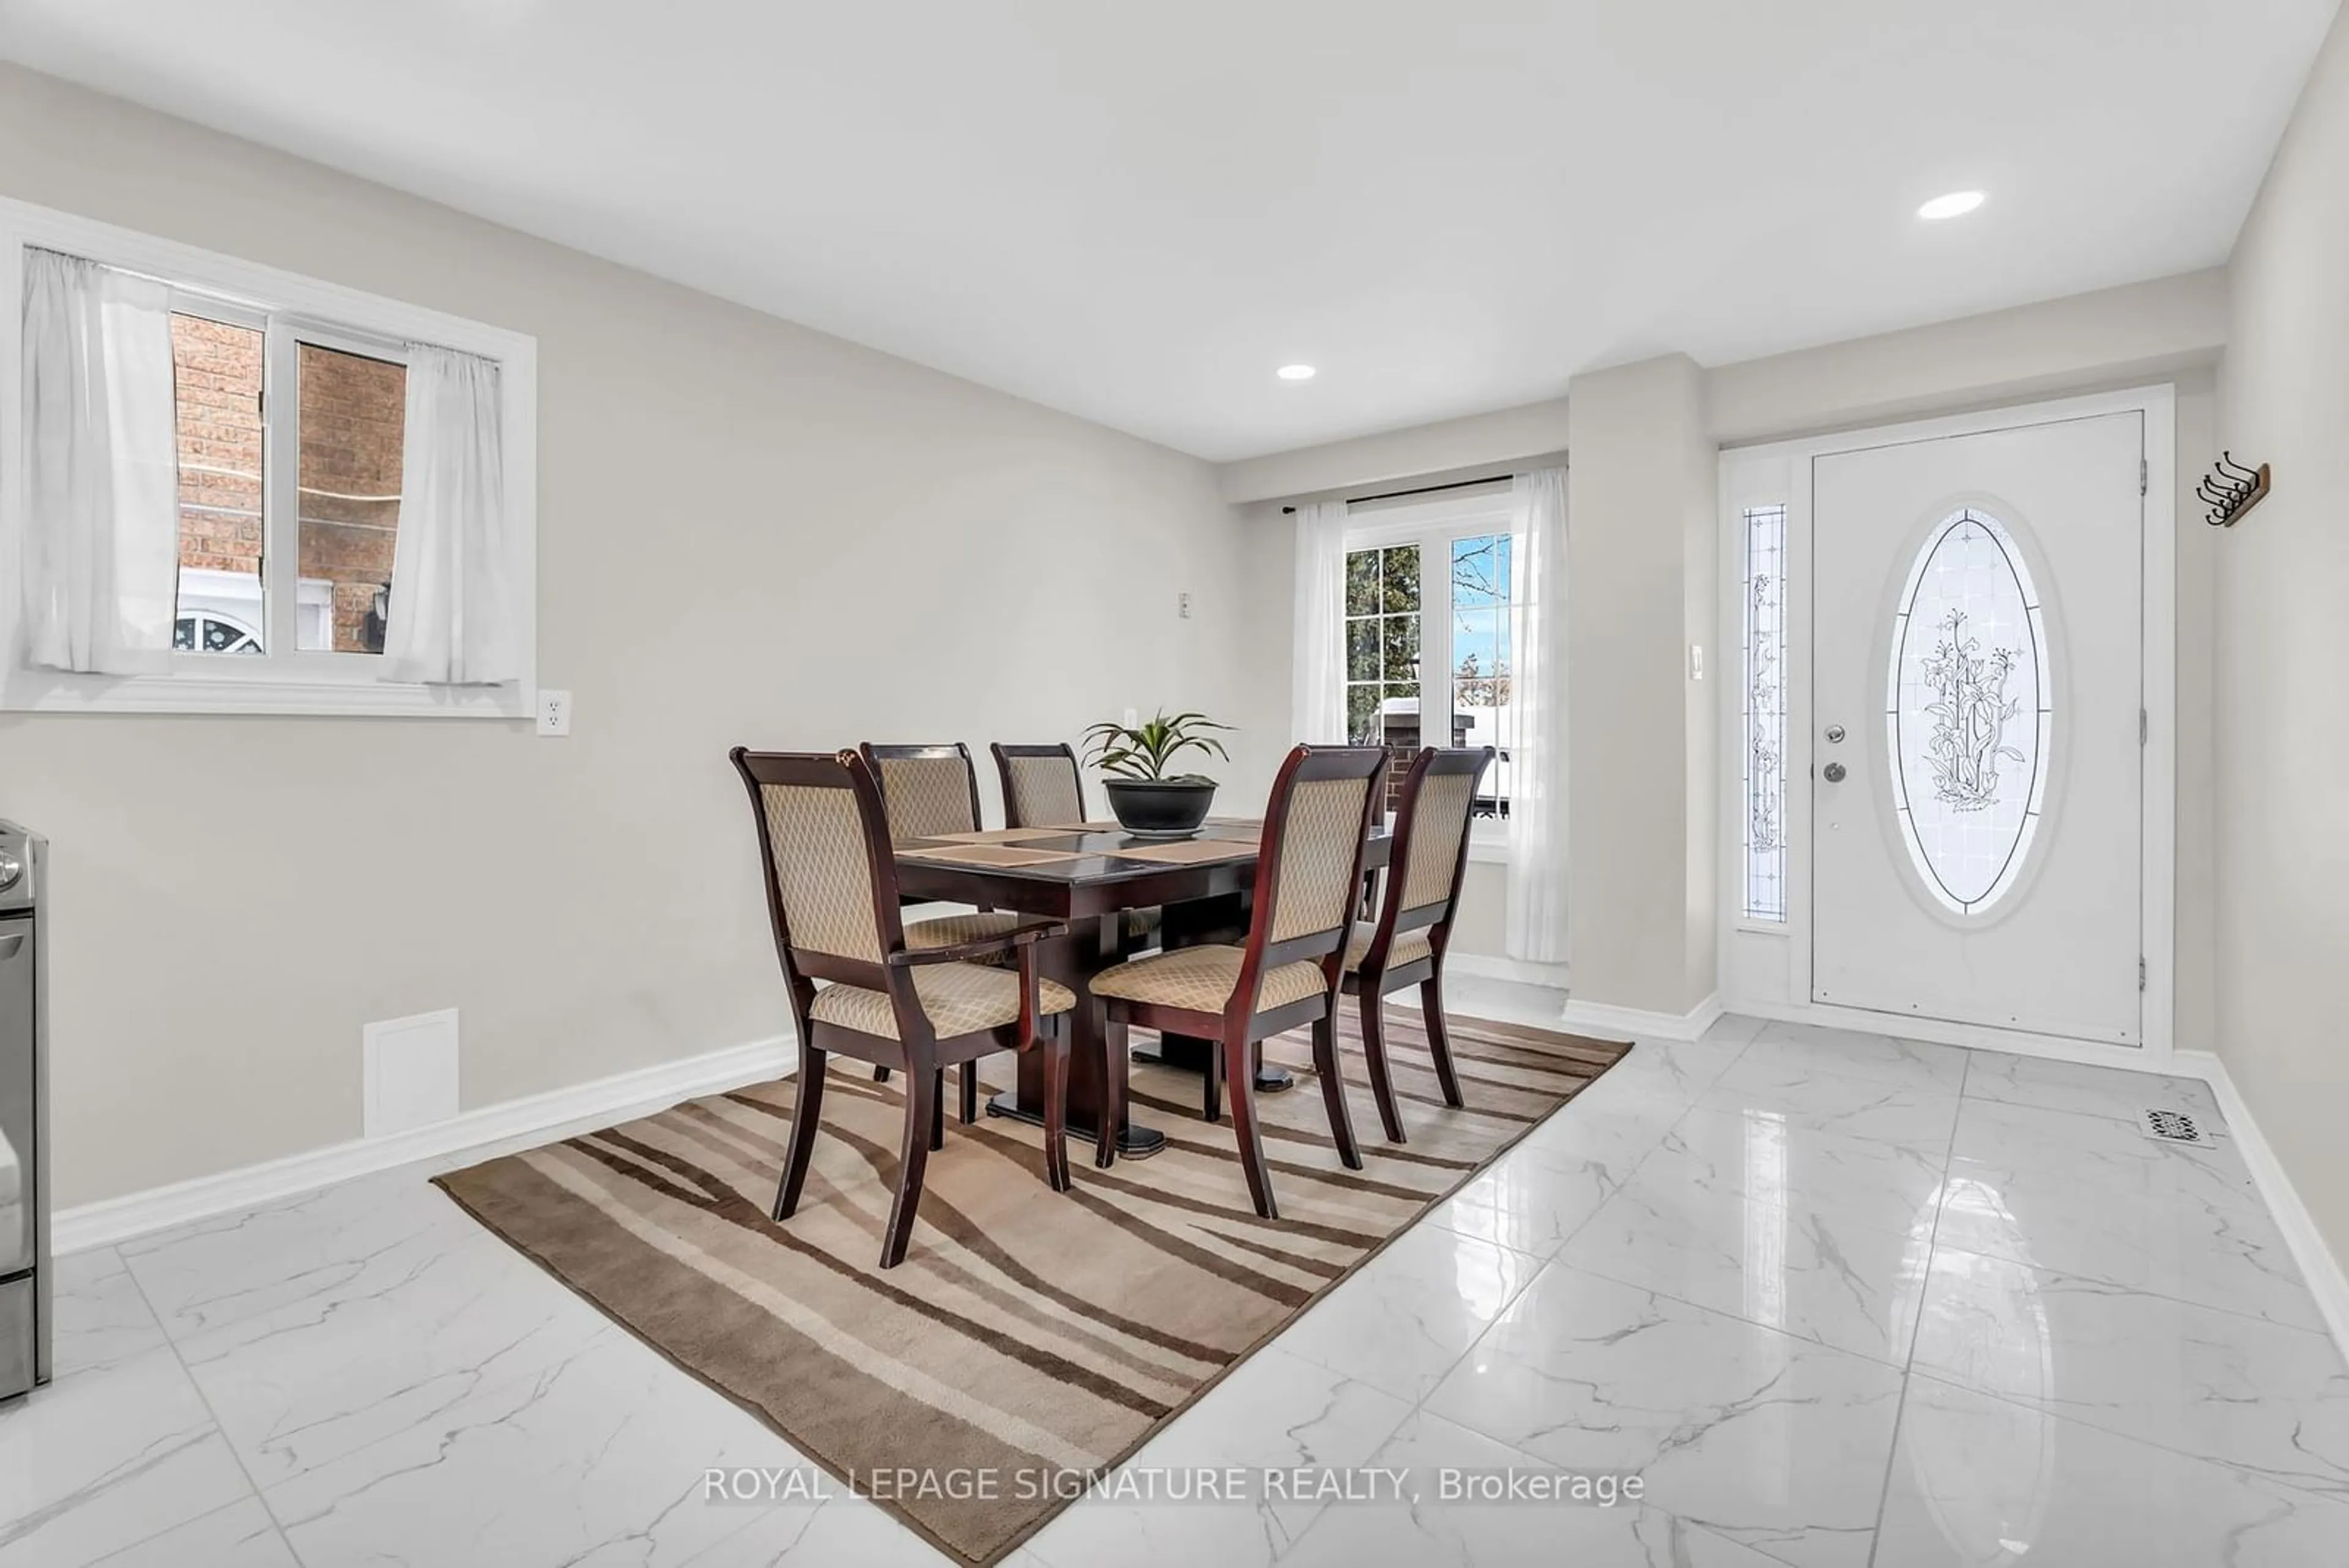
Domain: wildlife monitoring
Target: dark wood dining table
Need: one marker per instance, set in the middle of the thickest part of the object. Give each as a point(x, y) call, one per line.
point(1089, 874)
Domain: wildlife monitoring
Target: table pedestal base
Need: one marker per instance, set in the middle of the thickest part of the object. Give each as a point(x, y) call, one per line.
point(1136, 1142)
point(1189, 1054)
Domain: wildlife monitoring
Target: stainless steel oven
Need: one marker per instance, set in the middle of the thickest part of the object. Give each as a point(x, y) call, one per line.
point(24, 1274)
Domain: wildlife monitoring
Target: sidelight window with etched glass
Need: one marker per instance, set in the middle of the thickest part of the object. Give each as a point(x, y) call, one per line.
point(1765, 713)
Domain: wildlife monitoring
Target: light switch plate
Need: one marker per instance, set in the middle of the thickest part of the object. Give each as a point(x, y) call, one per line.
point(554, 711)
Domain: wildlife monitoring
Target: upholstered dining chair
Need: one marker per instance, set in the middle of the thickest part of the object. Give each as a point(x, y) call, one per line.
point(1309, 872)
point(1043, 787)
point(1405, 944)
point(832, 896)
point(926, 791)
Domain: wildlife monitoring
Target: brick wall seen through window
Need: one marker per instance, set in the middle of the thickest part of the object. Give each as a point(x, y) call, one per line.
point(351, 422)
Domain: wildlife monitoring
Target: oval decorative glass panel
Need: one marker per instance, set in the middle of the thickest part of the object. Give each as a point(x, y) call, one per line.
point(1969, 715)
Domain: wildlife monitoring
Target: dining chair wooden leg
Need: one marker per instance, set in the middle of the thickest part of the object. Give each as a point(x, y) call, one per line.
point(921, 1121)
point(937, 1108)
point(880, 1075)
point(1439, 1038)
point(1333, 1089)
point(1374, 1052)
point(1211, 1090)
point(969, 1093)
point(1234, 1050)
point(804, 1116)
point(1056, 1105)
point(1111, 1031)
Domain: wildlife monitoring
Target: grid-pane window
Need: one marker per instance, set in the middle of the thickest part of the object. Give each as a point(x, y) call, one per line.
point(1766, 713)
point(1382, 625)
point(1432, 615)
point(1482, 659)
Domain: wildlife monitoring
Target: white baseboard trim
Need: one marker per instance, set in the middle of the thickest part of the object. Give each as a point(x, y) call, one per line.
point(1490, 966)
point(486, 1133)
point(1606, 1022)
point(2318, 1266)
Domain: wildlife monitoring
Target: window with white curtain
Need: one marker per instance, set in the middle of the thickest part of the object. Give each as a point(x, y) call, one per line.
point(1428, 656)
point(260, 574)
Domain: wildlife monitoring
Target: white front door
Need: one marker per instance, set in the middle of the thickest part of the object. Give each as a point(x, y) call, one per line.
point(1977, 760)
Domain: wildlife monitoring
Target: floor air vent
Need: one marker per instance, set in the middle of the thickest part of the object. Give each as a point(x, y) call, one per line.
point(2175, 1127)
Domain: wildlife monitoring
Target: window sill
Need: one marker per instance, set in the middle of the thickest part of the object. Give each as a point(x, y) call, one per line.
point(47, 693)
point(1492, 851)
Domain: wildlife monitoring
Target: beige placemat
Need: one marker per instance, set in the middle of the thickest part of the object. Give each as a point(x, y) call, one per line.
point(989, 855)
point(1090, 827)
point(1191, 851)
point(1255, 822)
point(999, 835)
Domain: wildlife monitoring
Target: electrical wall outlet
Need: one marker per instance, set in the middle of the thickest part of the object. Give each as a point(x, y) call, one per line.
point(554, 711)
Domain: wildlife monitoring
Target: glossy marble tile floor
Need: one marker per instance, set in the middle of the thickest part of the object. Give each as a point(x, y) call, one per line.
point(1839, 1299)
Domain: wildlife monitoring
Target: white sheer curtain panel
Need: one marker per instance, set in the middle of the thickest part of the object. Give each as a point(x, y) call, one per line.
point(1318, 698)
point(1536, 931)
point(101, 541)
point(454, 620)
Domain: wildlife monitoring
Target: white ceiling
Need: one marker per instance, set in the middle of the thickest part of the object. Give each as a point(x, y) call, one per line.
point(1135, 213)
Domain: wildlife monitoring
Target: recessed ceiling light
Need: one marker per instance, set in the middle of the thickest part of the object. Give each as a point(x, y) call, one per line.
point(1295, 372)
point(1956, 204)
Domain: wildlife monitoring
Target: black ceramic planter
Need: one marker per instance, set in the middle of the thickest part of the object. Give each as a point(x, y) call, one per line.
point(1161, 807)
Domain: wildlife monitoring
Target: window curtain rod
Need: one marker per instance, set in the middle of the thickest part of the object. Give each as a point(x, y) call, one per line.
point(1423, 490)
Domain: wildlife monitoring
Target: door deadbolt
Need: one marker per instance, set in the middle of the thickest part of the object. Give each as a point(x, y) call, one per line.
point(1834, 734)
point(1834, 773)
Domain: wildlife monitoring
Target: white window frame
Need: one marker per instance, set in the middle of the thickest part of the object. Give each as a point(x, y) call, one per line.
point(292, 310)
point(1433, 526)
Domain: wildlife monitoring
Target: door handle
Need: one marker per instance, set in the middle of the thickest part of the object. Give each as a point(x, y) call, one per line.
point(10, 943)
point(1834, 773)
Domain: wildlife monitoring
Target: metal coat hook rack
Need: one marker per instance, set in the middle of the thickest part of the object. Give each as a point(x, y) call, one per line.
point(2231, 490)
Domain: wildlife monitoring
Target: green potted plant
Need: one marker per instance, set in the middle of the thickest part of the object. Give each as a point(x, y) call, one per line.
point(1150, 802)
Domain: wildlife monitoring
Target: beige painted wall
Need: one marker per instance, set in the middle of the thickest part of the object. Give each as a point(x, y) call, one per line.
point(2135, 335)
point(2139, 333)
point(1443, 451)
point(1641, 489)
point(1481, 927)
point(749, 532)
point(2282, 646)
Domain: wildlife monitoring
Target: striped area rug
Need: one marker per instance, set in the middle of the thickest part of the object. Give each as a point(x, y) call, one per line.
point(1027, 1333)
